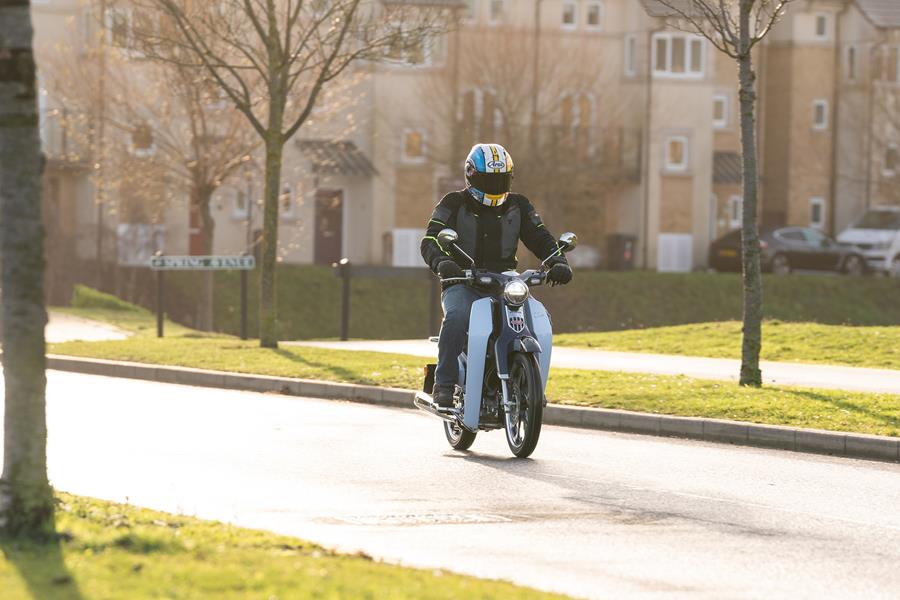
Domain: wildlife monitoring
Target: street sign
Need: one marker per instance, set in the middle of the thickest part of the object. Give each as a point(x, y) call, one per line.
point(203, 263)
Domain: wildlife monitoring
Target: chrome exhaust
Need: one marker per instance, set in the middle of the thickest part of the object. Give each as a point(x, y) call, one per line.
point(424, 402)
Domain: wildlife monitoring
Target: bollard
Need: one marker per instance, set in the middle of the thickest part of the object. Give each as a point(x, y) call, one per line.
point(343, 268)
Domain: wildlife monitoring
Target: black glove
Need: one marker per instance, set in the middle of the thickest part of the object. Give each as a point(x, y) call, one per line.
point(448, 269)
point(559, 274)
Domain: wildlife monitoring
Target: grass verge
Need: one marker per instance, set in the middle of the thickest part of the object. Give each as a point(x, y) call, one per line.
point(834, 410)
point(111, 551)
point(877, 347)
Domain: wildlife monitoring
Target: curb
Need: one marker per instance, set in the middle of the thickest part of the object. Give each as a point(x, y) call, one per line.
point(852, 445)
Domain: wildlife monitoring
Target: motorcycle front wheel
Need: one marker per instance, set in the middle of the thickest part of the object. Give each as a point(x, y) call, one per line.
point(524, 414)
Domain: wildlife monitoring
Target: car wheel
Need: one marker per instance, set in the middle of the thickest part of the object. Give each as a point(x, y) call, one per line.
point(854, 265)
point(781, 265)
point(895, 268)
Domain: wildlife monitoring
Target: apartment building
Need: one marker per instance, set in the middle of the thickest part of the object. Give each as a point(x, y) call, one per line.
point(619, 125)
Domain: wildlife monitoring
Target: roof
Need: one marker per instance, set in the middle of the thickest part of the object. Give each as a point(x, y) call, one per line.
point(336, 158)
point(440, 3)
point(881, 13)
point(663, 8)
point(727, 167)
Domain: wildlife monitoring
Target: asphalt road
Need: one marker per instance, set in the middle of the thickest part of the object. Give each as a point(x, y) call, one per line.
point(593, 514)
point(835, 377)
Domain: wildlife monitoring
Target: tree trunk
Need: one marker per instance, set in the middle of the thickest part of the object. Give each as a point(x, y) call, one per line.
point(202, 196)
point(268, 330)
point(752, 277)
point(26, 499)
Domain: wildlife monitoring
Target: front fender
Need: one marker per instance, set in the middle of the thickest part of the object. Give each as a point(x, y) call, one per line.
point(525, 344)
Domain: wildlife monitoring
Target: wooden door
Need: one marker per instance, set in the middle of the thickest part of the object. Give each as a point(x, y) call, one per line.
point(329, 226)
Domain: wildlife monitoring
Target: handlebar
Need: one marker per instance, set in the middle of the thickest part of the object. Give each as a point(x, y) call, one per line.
point(531, 277)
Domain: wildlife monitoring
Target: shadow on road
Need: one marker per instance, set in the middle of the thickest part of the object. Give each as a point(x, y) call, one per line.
point(40, 566)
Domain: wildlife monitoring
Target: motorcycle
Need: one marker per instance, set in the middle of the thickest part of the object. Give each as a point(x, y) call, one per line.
point(504, 367)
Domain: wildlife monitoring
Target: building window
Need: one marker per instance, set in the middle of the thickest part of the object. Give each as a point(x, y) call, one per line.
point(498, 11)
point(821, 26)
point(820, 114)
point(630, 56)
point(850, 63)
point(569, 15)
point(892, 64)
point(120, 28)
point(143, 144)
point(817, 213)
point(413, 146)
point(720, 111)
point(678, 55)
point(287, 201)
point(423, 52)
point(470, 13)
point(241, 208)
point(594, 18)
point(735, 212)
point(891, 158)
point(676, 159)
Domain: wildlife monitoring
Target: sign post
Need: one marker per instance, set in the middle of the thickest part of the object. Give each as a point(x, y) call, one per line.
point(160, 263)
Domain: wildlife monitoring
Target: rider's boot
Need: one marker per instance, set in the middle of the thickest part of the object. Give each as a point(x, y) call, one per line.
point(443, 396)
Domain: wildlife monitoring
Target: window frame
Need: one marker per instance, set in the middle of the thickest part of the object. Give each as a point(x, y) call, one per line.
point(562, 21)
point(629, 55)
point(823, 125)
point(885, 171)
point(470, 15)
point(601, 13)
point(111, 13)
point(290, 214)
point(495, 20)
point(668, 37)
point(684, 165)
point(238, 213)
point(724, 122)
point(818, 201)
point(851, 67)
point(824, 16)
point(735, 201)
point(413, 160)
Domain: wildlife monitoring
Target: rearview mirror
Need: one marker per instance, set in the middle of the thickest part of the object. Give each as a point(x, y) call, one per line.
point(568, 241)
point(447, 236)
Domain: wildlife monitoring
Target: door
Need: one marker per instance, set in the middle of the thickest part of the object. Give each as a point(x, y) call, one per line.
point(329, 242)
point(824, 253)
point(794, 246)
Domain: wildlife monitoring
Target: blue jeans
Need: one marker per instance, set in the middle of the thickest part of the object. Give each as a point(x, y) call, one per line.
point(457, 302)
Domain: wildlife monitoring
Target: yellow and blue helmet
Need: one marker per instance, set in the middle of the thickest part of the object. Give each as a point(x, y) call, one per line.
point(489, 173)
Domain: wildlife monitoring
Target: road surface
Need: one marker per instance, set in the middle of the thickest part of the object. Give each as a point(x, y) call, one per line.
point(854, 379)
point(593, 514)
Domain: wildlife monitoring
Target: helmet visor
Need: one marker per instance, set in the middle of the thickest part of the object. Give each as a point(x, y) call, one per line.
point(491, 183)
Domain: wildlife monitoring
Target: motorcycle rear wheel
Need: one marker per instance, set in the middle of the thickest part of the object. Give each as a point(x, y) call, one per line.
point(526, 394)
point(459, 438)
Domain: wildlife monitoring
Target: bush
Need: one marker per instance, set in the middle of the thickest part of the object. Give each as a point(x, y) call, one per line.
point(86, 297)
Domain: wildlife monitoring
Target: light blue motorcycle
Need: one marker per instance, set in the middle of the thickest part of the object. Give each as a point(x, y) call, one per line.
point(503, 371)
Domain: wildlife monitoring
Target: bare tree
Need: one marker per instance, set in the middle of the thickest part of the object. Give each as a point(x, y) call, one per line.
point(273, 59)
point(735, 27)
point(26, 499)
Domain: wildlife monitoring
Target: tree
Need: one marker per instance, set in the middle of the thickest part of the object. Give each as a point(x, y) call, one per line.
point(171, 128)
point(735, 27)
point(26, 499)
point(273, 59)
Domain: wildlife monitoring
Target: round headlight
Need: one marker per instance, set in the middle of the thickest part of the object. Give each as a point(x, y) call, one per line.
point(516, 292)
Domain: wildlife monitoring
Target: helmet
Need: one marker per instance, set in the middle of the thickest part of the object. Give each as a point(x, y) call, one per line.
point(489, 173)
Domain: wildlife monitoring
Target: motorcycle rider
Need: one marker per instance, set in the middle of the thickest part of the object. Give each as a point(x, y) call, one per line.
point(490, 221)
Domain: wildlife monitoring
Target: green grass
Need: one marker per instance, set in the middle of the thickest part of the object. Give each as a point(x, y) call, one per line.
point(834, 410)
point(112, 551)
point(309, 302)
point(877, 347)
point(140, 323)
point(86, 297)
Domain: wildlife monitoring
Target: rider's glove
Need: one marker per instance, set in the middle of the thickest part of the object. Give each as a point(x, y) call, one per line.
point(559, 274)
point(448, 269)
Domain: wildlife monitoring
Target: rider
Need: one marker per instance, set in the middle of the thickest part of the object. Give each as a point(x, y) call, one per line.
point(490, 221)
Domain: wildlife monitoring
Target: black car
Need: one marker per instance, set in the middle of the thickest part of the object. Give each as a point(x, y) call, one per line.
point(786, 249)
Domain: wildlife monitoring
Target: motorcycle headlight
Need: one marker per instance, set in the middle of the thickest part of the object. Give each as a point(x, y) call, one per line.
point(516, 292)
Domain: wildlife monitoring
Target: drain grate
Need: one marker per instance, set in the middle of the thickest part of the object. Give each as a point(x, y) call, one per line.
point(423, 519)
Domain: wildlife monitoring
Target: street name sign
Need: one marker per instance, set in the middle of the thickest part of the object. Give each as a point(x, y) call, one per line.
point(203, 263)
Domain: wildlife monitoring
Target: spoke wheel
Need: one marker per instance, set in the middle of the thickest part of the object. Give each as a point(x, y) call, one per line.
point(854, 265)
point(458, 438)
point(526, 402)
point(781, 265)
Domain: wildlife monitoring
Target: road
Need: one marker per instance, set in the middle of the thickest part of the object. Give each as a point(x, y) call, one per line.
point(834, 377)
point(593, 514)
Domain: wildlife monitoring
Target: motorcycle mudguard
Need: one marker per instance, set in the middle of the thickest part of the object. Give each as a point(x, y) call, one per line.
point(542, 329)
point(481, 326)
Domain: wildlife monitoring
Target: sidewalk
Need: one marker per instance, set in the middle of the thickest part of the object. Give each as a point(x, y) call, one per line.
point(833, 377)
point(67, 328)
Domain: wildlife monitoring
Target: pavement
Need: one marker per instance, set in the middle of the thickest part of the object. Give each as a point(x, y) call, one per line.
point(68, 328)
point(592, 514)
point(834, 377)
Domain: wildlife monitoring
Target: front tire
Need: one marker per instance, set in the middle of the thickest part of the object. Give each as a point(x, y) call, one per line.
point(781, 265)
point(526, 396)
point(854, 265)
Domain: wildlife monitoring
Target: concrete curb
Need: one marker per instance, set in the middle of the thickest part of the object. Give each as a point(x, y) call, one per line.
point(851, 445)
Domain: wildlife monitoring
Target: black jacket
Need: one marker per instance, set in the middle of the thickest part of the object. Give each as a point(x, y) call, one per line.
point(487, 234)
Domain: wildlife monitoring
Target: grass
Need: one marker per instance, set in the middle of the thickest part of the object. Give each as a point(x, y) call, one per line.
point(833, 410)
point(111, 551)
point(877, 347)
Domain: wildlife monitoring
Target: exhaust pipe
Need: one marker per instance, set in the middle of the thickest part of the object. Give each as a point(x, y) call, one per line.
point(424, 402)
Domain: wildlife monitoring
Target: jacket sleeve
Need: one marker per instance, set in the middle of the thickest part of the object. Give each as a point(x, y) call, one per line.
point(535, 235)
point(442, 217)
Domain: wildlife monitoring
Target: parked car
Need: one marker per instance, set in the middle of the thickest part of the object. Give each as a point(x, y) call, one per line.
point(787, 249)
point(877, 235)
